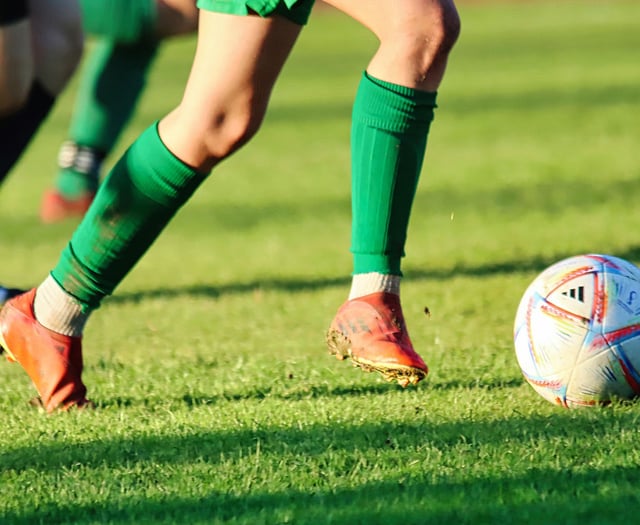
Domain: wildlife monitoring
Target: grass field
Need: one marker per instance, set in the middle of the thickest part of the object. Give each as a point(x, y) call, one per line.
point(217, 401)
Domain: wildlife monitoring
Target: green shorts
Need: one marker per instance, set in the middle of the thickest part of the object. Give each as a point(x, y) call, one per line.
point(297, 11)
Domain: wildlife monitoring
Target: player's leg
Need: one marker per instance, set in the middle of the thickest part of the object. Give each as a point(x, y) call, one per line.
point(237, 61)
point(176, 17)
point(112, 80)
point(16, 56)
point(392, 114)
point(128, 34)
point(41, 46)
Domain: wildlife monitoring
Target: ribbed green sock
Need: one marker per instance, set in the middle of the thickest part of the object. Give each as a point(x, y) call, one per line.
point(112, 80)
point(133, 205)
point(388, 143)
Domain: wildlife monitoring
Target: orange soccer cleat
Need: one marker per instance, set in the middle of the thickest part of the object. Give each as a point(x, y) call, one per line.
point(372, 332)
point(52, 361)
point(55, 207)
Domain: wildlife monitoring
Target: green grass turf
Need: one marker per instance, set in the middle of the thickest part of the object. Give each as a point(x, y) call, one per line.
point(217, 400)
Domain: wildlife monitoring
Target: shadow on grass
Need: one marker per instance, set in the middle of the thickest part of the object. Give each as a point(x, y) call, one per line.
point(315, 440)
point(297, 285)
point(537, 496)
point(309, 392)
point(529, 265)
point(305, 391)
point(294, 394)
point(299, 393)
point(597, 494)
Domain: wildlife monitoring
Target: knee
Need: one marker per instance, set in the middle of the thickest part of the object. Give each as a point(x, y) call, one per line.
point(447, 26)
point(58, 46)
point(213, 135)
point(16, 67)
point(429, 36)
point(228, 132)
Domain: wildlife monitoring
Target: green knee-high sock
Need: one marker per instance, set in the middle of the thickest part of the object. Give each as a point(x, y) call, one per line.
point(113, 79)
point(133, 205)
point(388, 141)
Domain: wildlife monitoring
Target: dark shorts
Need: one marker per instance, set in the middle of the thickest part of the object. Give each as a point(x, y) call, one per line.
point(297, 11)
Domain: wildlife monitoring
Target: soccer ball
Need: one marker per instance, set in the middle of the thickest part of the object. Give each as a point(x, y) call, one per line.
point(577, 331)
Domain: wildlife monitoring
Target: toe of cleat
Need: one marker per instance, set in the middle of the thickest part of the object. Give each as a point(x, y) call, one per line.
point(83, 404)
point(338, 345)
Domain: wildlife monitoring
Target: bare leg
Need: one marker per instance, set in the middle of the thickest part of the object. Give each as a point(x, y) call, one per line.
point(237, 62)
point(58, 42)
point(47, 46)
point(16, 65)
point(415, 39)
point(176, 17)
point(37, 58)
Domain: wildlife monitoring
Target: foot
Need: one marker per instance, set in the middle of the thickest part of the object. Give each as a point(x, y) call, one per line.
point(372, 332)
point(52, 361)
point(55, 207)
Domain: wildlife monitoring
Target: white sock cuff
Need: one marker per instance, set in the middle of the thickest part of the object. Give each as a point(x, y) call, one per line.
point(58, 311)
point(367, 283)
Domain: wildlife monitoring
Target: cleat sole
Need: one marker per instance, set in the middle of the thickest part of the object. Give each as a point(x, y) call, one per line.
point(340, 347)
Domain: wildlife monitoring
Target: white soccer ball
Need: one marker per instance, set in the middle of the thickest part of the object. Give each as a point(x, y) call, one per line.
point(577, 331)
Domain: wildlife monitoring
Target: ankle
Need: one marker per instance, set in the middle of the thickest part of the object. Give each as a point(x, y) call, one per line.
point(58, 311)
point(80, 168)
point(373, 282)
